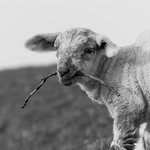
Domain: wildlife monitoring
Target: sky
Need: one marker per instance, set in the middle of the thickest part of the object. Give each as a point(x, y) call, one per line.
point(121, 20)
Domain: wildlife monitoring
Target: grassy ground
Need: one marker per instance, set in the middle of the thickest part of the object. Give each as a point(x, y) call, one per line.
point(56, 118)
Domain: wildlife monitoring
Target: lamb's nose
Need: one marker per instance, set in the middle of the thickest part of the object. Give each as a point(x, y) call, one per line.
point(63, 71)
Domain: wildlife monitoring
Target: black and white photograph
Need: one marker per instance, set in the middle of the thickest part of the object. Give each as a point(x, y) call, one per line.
point(75, 75)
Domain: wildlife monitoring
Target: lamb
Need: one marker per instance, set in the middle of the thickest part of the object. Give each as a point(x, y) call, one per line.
point(126, 68)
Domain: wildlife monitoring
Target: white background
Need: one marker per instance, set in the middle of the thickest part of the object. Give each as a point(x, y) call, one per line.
point(120, 20)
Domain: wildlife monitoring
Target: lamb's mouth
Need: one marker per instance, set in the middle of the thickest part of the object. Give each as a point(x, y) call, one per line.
point(71, 80)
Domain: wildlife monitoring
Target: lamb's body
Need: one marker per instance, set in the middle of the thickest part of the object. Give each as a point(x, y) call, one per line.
point(127, 69)
point(129, 73)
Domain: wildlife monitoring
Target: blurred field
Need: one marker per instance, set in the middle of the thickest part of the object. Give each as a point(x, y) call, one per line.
point(56, 118)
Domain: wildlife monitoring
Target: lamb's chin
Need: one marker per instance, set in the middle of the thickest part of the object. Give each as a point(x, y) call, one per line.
point(66, 83)
point(69, 82)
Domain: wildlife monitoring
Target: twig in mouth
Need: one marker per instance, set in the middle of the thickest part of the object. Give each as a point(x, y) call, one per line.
point(102, 82)
point(37, 88)
point(80, 74)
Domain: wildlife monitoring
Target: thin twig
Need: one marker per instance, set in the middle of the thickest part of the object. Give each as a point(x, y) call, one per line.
point(103, 83)
point(80, 74)
point(37, 88)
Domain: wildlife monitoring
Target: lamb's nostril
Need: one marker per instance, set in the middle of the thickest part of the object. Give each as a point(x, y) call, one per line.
point(63, 71)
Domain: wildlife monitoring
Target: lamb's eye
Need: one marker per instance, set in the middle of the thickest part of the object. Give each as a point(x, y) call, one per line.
point(89, 50)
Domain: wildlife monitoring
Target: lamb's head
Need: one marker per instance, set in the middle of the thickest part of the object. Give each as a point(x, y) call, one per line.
point(78, 50)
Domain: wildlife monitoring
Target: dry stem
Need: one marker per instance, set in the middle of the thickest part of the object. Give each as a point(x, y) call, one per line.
point(37, 88)
point(81, 74)
point(103, 83)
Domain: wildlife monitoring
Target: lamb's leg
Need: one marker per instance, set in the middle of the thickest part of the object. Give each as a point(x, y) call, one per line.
point(131, 139)
point(128, 134)
point(146, 138)
point(121, 142)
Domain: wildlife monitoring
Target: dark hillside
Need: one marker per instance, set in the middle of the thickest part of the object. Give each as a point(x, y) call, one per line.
point(56, 118)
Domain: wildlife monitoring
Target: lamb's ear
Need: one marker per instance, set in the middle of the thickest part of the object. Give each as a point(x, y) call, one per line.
point(110, 49)
point(42, 42)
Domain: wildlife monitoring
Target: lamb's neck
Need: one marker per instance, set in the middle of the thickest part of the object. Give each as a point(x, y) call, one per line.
point(93, 88)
